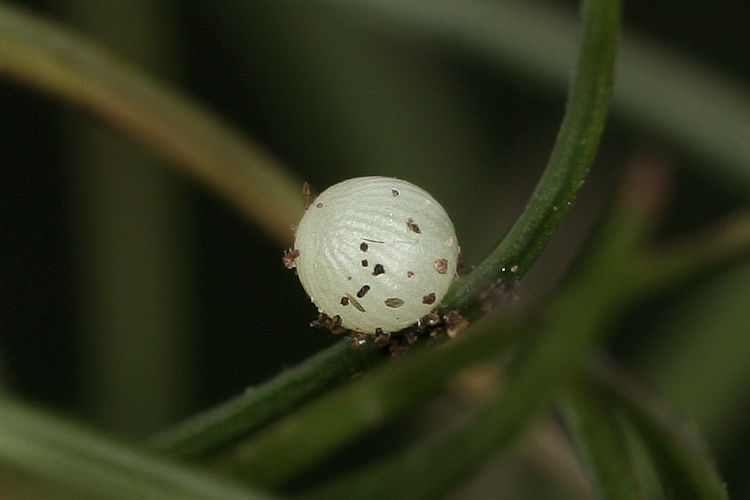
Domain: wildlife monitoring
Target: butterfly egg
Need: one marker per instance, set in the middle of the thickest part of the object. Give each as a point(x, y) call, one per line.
point(378, 252)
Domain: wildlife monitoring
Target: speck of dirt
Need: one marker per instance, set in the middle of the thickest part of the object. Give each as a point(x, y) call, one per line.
point(355, 303)
point(289, 258)
point(429, 298)
point(441, 266)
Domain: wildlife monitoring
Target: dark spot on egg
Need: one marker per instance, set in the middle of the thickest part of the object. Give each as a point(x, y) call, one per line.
point(411, 225)
point(344, 301)
point(364, 263)
point(319, 204)
point(394, 192)
point(394, 302)
point(409, 274)
point(378, 269)
point(429, 298)
point(363, 291)
point(363, 246)
point(441, 266)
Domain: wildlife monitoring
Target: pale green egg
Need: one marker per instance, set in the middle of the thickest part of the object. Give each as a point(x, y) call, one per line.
point(378, 252)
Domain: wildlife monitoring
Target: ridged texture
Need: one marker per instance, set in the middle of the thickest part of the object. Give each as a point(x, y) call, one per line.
point(382, 233)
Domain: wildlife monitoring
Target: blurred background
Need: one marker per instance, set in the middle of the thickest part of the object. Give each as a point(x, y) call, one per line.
point(130, 297)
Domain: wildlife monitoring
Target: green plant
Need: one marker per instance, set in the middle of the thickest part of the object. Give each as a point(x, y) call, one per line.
point(514, 373)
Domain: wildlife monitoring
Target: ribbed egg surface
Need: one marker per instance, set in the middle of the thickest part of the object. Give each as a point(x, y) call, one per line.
point(378, 252)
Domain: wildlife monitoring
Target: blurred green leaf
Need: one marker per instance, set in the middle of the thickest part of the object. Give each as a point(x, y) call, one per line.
point(699, 360)
point(658, 89)
point(51, 59)
point(601, 446)
point(75, 462)
point(683, 462)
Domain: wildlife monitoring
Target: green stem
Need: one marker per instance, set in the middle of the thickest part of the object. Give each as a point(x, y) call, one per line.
point(55, 61)
point(571, 157)
point(75, 463)
point(300, 439)
point(208, 432)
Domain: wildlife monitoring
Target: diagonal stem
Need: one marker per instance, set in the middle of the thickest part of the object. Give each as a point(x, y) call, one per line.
point(569, 163)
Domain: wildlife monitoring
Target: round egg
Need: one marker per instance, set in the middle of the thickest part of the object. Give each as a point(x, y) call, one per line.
point(378, 252)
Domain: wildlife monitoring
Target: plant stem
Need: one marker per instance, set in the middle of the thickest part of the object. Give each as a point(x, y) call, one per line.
point(297, 441)
point(569, 163)
point(78, 464)
point(208, 432)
